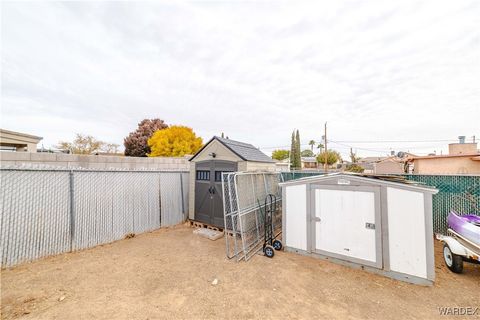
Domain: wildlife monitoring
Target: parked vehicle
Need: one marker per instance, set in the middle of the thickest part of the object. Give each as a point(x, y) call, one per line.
point(462, 242)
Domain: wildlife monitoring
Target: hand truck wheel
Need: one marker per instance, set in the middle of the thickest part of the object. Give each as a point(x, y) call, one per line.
point(277, 245)
point(269, 251)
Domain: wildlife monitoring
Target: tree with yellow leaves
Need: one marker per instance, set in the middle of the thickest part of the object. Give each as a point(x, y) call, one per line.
point(175, 141)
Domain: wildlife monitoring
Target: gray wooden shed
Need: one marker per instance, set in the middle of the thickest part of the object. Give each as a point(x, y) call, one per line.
point(219, 155)
point(375, 224)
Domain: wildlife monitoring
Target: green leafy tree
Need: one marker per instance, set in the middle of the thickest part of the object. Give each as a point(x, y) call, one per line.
point(280, 154)
point(320, 147)
point(307, 153)
point(331, 155)
point(354, 168)
point(312, 144)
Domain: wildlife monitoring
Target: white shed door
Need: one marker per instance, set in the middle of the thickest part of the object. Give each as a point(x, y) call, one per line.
point(345, 222)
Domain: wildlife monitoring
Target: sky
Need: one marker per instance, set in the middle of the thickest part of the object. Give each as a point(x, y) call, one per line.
point(385, 75)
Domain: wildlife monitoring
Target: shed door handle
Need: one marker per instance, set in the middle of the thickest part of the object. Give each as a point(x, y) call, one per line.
point(317, 219)
point(370, 225)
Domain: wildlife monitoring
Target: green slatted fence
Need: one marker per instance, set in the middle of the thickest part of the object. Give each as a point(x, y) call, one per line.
point(460, 193)
point(293, 175)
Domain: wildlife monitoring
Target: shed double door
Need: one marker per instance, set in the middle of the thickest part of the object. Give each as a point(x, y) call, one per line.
point(208, 190)
point(347, 223)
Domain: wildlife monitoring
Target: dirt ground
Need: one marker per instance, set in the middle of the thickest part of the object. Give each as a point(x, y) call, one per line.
point(168, 274)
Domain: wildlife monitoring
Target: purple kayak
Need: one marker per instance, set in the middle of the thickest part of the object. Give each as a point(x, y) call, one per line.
point(468, 226)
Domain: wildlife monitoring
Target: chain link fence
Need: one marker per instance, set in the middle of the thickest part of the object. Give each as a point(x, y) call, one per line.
point(244, 210)
point(456, 192)
point(46, 212)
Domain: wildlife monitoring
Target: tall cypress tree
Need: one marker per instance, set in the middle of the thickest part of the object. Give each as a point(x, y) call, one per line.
point(298, 157)
point(292, 151)
point(295, 154)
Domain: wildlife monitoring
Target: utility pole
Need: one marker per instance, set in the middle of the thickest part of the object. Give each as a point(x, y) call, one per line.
point(325, 166)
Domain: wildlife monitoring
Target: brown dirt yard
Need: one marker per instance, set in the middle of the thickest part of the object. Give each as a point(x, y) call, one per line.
point(168, 274)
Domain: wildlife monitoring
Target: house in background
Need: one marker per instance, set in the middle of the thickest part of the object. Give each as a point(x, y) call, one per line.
point(17, 141)
point(395, 164)
point(389, 165)
point(282, 165)
point(462, 158)
point(462, 147)
point(309, 163)
point(367, 163)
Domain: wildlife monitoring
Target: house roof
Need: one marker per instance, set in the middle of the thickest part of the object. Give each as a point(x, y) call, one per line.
point(20, 137)
point(244, 151)
point(387, 180)
point(471, 155)
point(370, 159)
point(391, 159)
point(309, 159)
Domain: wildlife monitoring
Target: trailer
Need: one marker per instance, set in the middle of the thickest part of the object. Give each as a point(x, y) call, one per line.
point(457, 249)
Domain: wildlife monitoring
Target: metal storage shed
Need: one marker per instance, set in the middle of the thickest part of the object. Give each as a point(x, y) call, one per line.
point(206, 167)
point(378, 225)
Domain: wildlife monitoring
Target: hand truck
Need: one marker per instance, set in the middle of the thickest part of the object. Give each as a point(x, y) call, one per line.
point(270, 242)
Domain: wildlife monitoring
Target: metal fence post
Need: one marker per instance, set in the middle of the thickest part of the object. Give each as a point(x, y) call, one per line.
point(72, 208)
point(181, 192)
point(160, 199)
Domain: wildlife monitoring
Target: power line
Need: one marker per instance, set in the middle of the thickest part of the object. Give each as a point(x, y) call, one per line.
point(392, 141)
point(371, 141)
point(366, 149)
point(280, 147)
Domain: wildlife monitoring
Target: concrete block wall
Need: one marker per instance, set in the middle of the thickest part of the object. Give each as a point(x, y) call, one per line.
point(93, 161)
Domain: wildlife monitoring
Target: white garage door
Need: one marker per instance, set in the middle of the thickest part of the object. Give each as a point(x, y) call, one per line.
point(345, 223)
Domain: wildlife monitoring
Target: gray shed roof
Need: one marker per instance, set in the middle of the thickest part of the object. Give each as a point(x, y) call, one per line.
point(375, 179)
point(244, 151)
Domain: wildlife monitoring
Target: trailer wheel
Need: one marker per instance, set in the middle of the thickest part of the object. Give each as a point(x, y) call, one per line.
point(277, 245)
point(269, 251)
point(453, 261)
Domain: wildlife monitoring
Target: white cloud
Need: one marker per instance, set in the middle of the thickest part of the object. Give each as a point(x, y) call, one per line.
point(375, 70)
